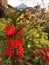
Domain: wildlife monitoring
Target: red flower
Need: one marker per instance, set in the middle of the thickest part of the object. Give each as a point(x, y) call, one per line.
point(20, 53)
point(22, 42)
point(47, 61)
point(47, 52)
point(20, 33)
point(14, 44)
point(10, 30)
point(9, 48)
point(18, 44)
point(38, 54)
point(11, 44)
point(41, 50)
point(8, 52)
point(0, 59)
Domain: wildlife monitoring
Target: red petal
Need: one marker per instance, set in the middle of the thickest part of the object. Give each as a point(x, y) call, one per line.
point(47, 51)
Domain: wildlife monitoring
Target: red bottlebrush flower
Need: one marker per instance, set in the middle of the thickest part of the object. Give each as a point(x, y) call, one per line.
point(47, 52)
point(8, 52)
point(41, 50)
point(22, 41)
point(0, 59)
point(47, 61)
point(9, 48)
point(38, 54)
point(20, 53)
point(20, 33)
point(11, 44)
point(45, 56)
point(10, 30)
point(18, 44)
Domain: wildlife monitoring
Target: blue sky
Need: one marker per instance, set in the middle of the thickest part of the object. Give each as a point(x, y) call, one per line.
point(30, 3)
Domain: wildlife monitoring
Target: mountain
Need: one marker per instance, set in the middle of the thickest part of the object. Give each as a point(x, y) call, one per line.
point(21, 6)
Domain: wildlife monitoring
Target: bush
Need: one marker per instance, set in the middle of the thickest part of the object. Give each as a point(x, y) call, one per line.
point(23, 40)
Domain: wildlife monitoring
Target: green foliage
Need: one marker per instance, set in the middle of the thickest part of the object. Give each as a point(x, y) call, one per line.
point(34, 35)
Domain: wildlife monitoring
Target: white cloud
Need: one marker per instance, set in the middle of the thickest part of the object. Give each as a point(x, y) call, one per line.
point(31, 3)
point(14, 2)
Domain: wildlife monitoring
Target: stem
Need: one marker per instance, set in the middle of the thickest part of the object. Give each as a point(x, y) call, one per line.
point(14, 50)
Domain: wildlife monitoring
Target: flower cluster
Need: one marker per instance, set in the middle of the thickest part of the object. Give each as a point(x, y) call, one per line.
point(44, 54)
point(14, 46)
